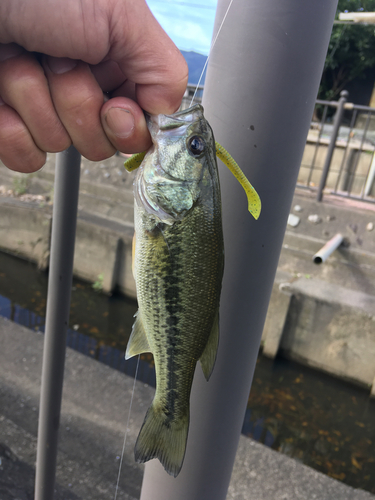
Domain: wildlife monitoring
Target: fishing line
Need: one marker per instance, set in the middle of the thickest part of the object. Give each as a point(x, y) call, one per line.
point(127, 429)
point(136, 370)
point(209, 52)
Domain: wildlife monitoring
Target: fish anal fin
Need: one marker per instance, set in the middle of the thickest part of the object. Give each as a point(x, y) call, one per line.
point(138, 342)
point(208, 357)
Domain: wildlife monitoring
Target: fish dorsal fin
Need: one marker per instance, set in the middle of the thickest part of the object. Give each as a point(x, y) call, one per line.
point(208, 357)
point(253, 200)
point(134, 161)
point(138, 342)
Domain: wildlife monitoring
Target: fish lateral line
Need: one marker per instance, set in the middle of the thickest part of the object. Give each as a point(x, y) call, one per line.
point(254, 204)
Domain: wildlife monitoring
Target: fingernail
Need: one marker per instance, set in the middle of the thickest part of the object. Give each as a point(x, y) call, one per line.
point(9, 50)
point(120, 121)
point(60, 65)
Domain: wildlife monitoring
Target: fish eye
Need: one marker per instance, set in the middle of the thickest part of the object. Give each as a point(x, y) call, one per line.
point(196, 145)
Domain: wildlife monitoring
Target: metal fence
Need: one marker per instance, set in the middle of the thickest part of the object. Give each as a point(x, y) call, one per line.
point(339, 154)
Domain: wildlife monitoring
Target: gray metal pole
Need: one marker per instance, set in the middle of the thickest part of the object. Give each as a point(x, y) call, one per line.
point(332, 143)
point(58, 304)
point(259, 97)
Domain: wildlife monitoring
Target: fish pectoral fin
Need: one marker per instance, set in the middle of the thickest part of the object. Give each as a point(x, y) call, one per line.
point(208, 357)
point(138, 342)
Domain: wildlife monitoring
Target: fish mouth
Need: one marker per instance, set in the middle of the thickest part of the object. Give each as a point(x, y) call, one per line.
point(177, 122)
point(188, 114)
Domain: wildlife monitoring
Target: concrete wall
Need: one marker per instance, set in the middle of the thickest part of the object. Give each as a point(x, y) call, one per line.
point(25, 230)
point(323, 325)
point(102, 249)
point(324, 315)
point(103, 254)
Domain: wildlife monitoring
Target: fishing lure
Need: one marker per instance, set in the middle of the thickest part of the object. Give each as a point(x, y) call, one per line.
point(254, 203)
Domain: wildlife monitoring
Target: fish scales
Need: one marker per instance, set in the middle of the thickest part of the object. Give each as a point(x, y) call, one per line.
point(178, 268)
point(179, 292)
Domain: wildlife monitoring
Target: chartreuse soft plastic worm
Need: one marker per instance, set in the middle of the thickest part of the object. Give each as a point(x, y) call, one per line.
point(253, 200)
point(134, 161)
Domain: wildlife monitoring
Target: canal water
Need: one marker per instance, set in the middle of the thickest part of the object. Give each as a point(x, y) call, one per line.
point(316, 419)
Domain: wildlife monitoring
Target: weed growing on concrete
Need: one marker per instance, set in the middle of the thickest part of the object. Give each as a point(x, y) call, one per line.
point(21, 184)
point(98, 284)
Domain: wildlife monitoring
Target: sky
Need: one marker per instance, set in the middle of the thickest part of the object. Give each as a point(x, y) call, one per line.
point(188, 22)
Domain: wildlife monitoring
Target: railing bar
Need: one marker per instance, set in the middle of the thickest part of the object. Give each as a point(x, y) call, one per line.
point(329, 103)
point(368, 181)
point(360, 107)
point(352, 123)
point(322, 121)
point(370, 177)
point(332, 143)
point(303, 186)
point(57, 315)
point(359, 151)
point(354, 197)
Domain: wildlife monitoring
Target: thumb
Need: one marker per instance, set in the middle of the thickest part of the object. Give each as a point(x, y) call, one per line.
point(149, 58)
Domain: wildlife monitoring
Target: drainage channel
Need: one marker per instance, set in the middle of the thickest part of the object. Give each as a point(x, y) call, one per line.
point(318, 420)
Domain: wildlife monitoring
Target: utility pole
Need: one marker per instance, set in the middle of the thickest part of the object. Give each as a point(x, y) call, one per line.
point(260, 91)
point(57, 316)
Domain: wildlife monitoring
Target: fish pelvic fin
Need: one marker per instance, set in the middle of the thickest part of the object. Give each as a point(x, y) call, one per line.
point(162, 438)
point(138, 342)
point(208, 357)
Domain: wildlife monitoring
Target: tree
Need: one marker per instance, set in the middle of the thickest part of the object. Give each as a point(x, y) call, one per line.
point(351, 50)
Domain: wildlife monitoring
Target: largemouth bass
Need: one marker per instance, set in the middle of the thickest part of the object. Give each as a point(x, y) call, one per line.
point(178, 268)
point(178, 261)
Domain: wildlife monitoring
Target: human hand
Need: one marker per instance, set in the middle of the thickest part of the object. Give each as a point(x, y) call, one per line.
point(50, 101)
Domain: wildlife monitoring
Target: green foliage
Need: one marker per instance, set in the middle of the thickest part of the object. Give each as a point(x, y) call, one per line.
point(351, 50)
point(21, 184)
point(98, 284)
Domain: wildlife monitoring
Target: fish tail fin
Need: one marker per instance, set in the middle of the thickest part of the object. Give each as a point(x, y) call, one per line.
point(162, 438)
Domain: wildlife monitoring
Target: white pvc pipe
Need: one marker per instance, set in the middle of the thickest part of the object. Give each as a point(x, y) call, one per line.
point(331, 245)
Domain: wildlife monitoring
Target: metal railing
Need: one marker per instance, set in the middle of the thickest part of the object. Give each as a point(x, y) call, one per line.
point(339, 154)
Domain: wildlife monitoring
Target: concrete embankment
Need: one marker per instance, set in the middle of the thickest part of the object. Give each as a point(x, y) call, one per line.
point(322, 316)
point(104, 227)
point(93, 421)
